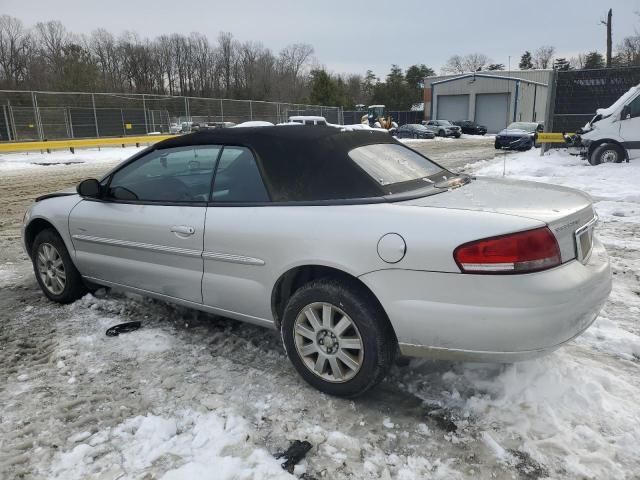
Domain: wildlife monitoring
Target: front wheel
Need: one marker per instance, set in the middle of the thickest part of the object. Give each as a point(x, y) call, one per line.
point(337, 337)
point(56, 274)
point(606, 153)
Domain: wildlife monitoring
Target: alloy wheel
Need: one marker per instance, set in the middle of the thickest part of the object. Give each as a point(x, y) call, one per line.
point(328, 342)
point(609, 156)
point(51, 268)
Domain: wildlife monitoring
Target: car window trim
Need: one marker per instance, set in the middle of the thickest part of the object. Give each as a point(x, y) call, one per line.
point(258, 163)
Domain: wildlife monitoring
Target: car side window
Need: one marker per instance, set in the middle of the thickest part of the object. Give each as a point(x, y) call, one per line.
point(181, 174)
point(634, 108)
point(238, 178)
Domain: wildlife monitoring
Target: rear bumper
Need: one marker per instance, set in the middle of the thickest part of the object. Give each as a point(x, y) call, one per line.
point(492, 318)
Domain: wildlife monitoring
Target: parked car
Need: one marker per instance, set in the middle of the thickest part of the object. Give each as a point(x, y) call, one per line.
point(202, 126)
point(308, 120)
point(613, 135)
point(471, 128)
point(443, 128)
point(518, 136)
point(414, 130)
point(351, 244)
point(254, 123)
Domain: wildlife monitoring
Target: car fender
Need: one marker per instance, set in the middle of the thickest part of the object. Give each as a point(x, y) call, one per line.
point(55, 211)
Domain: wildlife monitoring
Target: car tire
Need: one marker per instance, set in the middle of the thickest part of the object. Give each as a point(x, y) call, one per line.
point(441, 133)
point(56, 274)
point(497, 146)
point(457, 135)
point(607, 153)
point(317, 353)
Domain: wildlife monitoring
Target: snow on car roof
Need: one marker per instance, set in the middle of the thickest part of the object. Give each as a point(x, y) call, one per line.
point(308, 117)
point(254, 123)
point(605, 112)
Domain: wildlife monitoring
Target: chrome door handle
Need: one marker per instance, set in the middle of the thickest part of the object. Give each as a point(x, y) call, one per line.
point(183, 230)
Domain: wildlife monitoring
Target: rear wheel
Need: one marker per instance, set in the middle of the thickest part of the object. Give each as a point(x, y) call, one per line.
point(337, 338)
point(497, 146)
point(56, 274)
point(441, 133)
point(606, 153)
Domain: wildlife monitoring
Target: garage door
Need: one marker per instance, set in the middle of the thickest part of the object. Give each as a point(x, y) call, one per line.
point(492, 111)
point(453, 107)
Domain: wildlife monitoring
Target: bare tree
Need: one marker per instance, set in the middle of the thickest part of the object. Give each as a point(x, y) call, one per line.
point(15, 47)
point(472, 62)
point(455, 64)
point(52, 38)
point(543, 56)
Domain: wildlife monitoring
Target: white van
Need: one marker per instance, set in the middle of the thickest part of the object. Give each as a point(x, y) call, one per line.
point(308, 120)
point(613, 135)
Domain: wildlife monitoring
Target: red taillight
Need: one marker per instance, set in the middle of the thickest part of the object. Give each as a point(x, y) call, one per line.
point(520, 252)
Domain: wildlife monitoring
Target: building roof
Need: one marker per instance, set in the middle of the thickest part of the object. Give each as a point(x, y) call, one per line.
point(539, 76)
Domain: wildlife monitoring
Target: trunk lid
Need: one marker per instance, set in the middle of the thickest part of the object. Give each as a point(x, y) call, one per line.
point(563, 209)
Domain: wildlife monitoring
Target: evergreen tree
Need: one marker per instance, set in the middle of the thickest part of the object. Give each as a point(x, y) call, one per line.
point(416, 74)
point(324, 90)
point(593, 60)
point(495, 66)
point(526, 62)
point(561, 64)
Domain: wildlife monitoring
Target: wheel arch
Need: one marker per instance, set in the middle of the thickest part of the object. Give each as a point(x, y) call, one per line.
point(596, 143)
point(296, 277)
point(35, 226)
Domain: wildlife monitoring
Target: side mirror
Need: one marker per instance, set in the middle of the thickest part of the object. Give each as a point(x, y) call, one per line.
point(626, 113)
point(90, 188)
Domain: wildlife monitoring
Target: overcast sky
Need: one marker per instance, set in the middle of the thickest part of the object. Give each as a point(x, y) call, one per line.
point(355, 35)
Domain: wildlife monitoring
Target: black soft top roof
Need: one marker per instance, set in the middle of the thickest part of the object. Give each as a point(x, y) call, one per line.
point(300, 163)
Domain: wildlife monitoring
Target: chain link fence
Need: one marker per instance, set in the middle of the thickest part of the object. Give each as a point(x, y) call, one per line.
point(30, 115)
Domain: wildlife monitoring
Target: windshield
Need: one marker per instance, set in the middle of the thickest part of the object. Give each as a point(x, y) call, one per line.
point(389, 164)
point(415, 126)
point(526, 126)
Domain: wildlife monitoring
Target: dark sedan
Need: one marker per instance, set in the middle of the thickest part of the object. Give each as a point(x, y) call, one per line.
point(518, 136)
point(471, 128)
point(414, 130)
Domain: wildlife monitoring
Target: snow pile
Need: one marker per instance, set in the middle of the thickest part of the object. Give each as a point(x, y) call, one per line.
point(184, 446)
point(575, 411)
point(13, 161)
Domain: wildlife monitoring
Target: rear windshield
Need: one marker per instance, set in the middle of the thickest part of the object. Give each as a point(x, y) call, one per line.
point(394, 165)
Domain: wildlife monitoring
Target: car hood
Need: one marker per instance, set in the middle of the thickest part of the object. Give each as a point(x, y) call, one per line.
point(537, 201)
point(514, 131)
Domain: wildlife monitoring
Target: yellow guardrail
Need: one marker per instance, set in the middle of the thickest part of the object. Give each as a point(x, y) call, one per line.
point(551, 137)
point(81, 143)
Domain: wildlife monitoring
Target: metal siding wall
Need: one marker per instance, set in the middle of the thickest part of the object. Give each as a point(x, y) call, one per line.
point(483, 85)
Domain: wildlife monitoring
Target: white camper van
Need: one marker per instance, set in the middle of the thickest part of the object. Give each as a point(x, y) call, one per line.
point(613, 135)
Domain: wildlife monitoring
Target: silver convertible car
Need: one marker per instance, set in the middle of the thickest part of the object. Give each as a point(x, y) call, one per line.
point(352, 245)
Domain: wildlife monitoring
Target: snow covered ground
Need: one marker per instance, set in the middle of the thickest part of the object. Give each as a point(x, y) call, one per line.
point(194, 396)
point(13, 161)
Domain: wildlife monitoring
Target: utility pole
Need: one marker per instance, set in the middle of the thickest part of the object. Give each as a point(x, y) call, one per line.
point(609, 39)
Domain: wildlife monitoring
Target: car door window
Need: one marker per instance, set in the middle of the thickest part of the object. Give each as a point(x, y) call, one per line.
point(634, 108)
point(180, 175)
point(238, 178)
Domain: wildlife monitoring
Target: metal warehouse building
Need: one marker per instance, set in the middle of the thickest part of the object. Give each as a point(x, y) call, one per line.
point(491, 98)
